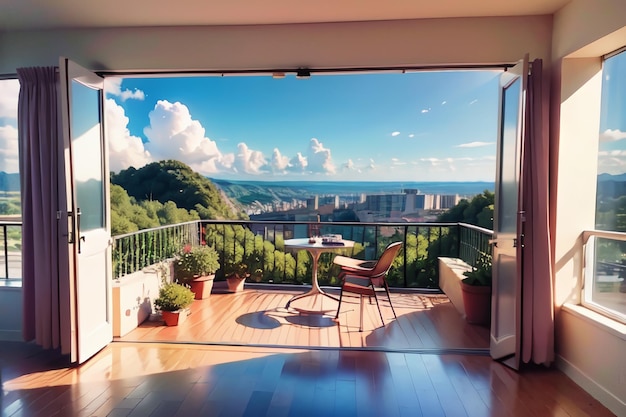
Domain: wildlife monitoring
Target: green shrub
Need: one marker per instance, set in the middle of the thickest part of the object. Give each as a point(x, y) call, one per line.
point(174, 297)
point(480, 275)
point(196, 261)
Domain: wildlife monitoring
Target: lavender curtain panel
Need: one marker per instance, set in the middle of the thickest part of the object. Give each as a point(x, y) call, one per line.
point(537, 282)
point(45, 295)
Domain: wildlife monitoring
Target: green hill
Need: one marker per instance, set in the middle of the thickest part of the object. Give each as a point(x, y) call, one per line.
point(174, 181)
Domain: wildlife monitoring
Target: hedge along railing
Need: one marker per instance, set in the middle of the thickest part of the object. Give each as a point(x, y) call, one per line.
point(135, 251)
point(260, 245)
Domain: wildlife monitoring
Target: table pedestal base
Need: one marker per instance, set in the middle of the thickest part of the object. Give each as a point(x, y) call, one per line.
point(313, 292)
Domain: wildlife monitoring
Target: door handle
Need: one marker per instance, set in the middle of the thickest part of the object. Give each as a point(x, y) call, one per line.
point(80, 238)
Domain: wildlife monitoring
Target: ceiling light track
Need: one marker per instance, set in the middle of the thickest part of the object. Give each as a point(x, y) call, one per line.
point(301, 72)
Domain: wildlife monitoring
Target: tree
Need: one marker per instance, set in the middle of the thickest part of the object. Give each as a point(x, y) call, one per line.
point(174, 181)
point(478, 211)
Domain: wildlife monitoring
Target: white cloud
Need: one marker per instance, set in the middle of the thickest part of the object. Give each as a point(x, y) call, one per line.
point(9, 91)
point(125, 150)
point(612, 135)
point(249, 161)
point(174, 134)
point(431, 161)
point(473, 102)
point(474, 144)
point(113, 86)
point(412, 135)
point(319, 158)
point(8, 149)
point(298, 163)
point(395, 133)
point(351, 169)
point(610, 163)
point(279, 162)
point(350, 166)
point(443, 103)
point(397, 162)
point(425, 110)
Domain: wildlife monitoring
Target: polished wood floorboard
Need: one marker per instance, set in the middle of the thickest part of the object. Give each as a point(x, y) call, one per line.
point(165, 380)
point(258, 317)
point(246, 355)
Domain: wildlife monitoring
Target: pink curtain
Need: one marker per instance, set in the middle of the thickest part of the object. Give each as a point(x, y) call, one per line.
point(537, 341)
point(45, 296)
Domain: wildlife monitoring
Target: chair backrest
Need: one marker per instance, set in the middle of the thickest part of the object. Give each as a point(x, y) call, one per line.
point(386, 259)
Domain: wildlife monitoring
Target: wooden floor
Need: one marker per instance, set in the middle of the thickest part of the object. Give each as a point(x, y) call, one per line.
point(258, 317)
point(246, 355)
point(165, 380)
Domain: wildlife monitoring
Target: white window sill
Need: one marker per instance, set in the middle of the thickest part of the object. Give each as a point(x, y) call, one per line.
point(605, 323)
point(11, 283)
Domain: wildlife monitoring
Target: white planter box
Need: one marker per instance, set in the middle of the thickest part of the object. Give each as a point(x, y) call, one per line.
point(450, 276)
point(133, 299)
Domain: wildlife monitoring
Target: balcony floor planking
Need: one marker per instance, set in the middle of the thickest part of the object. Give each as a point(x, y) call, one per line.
point(414, 369)
point(258, 317)
point(152, 379)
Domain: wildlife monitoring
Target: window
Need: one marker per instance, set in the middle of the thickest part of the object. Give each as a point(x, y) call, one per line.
point(10, 206)
point(605, 284)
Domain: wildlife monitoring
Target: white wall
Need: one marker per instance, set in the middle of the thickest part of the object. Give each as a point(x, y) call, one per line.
point(590, 349)
point(360, 44)
point(11, 313)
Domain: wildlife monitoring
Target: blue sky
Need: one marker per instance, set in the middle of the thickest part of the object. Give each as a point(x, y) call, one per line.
point(612, 149)
point(426, 126)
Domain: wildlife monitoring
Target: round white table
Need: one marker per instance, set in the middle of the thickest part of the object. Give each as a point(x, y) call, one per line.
point(315, 249)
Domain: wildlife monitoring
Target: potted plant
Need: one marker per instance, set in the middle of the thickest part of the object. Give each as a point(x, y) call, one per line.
point(476, 290)
point(236, 274)
point(196, 267)
point(173, 302)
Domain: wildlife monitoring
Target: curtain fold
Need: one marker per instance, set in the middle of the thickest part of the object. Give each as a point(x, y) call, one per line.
point(537, 272)
point(40, 162)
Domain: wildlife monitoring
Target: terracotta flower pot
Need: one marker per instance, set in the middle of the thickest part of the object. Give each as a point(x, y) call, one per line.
point(202, 286)
point(174, 318)
point(235, 283)
point(477, 303)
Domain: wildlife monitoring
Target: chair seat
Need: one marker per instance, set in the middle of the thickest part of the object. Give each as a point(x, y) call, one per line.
point(354, 264)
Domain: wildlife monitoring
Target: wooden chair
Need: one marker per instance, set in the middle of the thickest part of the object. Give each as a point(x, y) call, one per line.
point(366, 278)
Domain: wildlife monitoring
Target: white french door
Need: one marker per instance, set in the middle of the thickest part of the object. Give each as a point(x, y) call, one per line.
point(87, 185)
point(508, 219)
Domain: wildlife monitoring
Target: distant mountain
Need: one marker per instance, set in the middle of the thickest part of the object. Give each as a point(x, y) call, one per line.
point(9, 182)
point(247, 192)
point(609, 177)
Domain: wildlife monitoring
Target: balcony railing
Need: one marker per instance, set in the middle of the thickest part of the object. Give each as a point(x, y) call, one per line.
point(260, 245)
point(135, 251)
point(11, 249)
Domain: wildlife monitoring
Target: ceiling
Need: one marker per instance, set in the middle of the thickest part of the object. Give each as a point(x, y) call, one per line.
point(57, 14)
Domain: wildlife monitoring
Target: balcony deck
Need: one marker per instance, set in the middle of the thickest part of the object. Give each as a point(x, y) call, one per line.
point(190, 379)
point(258, 317)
